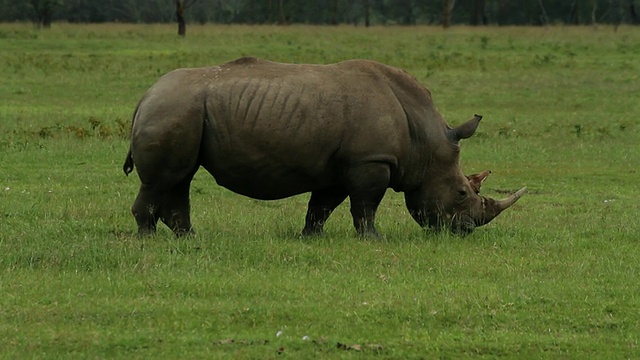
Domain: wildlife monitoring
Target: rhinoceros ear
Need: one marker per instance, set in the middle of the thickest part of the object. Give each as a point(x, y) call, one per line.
point(464, 131)
point(476, 180)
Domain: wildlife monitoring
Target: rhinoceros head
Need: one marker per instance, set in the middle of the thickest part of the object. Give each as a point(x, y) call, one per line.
point(447, 199)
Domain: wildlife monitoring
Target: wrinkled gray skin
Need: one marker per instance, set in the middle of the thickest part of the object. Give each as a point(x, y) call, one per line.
point(269, 130)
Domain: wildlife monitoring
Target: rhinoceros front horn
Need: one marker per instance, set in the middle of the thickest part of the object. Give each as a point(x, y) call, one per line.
point(493, 208)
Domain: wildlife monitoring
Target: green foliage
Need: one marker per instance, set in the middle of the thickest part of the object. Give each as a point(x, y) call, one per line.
point(554, 277)
point(381, 12)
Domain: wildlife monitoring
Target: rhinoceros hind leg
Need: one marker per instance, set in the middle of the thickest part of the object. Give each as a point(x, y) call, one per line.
point(321, 205)
point(171, 205)
point(367, 184)
point(175, 210)
point(145, 210)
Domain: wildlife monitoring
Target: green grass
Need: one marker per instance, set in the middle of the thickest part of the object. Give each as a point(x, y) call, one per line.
point(553, 277)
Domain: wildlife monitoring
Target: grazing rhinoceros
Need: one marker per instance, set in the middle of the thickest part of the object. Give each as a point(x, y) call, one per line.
point(269, 130)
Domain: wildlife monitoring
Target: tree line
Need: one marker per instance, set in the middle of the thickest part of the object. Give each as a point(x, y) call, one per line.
point(356, 12)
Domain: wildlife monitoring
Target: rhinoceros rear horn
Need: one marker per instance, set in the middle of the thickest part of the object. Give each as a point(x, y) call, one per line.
point(466, 130)
point(493, 208)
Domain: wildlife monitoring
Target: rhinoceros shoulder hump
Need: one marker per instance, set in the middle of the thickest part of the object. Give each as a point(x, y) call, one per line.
point(245, 60)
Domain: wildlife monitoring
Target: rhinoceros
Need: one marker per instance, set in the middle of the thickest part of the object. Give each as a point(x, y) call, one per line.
point(271, 130)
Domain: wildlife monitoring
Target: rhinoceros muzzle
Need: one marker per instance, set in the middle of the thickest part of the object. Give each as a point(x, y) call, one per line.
point(463, 223)
point(458, 223)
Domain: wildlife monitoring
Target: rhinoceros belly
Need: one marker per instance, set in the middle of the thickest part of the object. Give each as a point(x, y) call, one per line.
point(268, 178)
point(264, 163)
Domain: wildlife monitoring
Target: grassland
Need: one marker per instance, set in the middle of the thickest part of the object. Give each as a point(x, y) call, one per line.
point(554, 277)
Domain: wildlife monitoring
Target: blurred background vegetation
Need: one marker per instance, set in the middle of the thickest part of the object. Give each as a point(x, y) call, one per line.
point(357, 12)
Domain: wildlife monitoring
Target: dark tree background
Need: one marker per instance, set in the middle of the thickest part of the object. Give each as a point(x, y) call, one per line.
point(357, 12)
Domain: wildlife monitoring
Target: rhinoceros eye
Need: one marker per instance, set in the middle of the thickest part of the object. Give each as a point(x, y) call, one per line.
point(462, 193)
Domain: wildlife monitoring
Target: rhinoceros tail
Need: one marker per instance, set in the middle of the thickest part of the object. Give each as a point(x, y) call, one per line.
point(127, 167)
point(128, 164)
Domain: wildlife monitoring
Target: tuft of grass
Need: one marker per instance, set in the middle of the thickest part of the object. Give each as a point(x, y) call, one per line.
point(552, 277)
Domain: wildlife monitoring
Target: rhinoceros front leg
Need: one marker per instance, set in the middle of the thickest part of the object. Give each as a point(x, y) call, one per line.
point(321, 205)
point(367, 184)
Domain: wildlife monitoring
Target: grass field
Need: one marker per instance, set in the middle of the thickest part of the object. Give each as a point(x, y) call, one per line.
point(556, 276)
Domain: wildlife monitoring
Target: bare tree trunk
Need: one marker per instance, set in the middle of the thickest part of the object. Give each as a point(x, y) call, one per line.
point(545, 18)
point(574, 17)
point(292, 11)
point(334, 12)
point(234, 15)
point(365, 4)
point(479, 15)
point(504, 9)
point(594, 8)
point(252, 11)
point(181, 6)
point(43, 12)
point(47, 13)
point(47, 16)
point(447, 9)
point(633, 13)
point(182, 26)
point(407, 18)
point(446, 15)
point(281, 19)
point(617, 13)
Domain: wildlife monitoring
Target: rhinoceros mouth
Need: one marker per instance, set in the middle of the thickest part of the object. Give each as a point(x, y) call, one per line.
point(459, 224)
point(462, 224)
